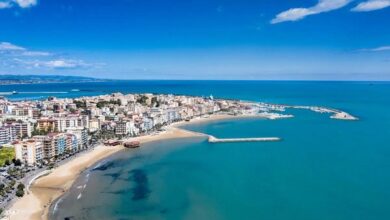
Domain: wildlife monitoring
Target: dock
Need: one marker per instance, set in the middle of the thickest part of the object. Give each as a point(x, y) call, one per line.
point(213, 139)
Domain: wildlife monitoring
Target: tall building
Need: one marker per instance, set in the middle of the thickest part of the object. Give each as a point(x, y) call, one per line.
point(82, 136)
point(29, 152)
point(60, 144)
point(7, 134)
point(72, 145)
point(48, 146)
point(54, 144)
point(122, 128)
point(94, 124)
point(23, 129)
point(46, 124)
point(22, 111)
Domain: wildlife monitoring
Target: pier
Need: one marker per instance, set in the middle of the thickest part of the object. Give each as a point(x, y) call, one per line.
point(213, 139)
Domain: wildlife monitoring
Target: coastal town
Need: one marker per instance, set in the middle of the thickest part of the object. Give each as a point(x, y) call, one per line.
point(36, 136)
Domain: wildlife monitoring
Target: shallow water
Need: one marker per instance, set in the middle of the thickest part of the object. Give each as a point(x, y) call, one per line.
point(318, 171)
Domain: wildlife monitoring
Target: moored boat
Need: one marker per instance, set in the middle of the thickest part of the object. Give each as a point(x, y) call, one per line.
point(132, 144)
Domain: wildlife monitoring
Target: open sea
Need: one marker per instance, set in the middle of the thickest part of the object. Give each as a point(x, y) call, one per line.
point(322, 169)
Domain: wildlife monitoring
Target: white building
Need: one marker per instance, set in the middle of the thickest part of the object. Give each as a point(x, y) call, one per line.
point(82, 136)
point(7, 134)
point(29, 152)
point(94, 125)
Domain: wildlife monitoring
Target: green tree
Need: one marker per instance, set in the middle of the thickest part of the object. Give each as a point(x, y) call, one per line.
point(7, 189)
point(142, 100)
point(101, 104)
point(18, 162)
point(12, 183)
point(155, 102)
point(19, 193)
point(80, 104)
point(20, 186)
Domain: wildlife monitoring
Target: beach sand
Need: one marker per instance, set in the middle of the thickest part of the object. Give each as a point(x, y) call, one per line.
point(35, 205)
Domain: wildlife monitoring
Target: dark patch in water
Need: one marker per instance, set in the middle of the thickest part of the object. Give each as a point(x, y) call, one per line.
point(141, 190)
point(139, 176)
point(119, 162)
point(117, 192)
point(164, 211)
point(104, 166)
point(114, 176)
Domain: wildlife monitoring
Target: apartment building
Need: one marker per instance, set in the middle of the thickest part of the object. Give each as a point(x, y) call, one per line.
point(29, 152)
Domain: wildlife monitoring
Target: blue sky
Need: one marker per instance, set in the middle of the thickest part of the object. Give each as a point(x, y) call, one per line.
point(197, 39)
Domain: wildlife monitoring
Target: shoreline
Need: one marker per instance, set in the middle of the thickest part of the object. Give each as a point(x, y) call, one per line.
point(35, 205)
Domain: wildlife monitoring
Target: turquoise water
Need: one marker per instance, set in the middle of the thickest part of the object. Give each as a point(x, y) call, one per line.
point(323, 168)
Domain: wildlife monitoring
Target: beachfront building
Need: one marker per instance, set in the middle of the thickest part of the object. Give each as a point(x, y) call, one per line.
point(172, 115)
point(122, 128)
point(147, 124)
point(125, 128)
point(29, 152)
point(48, 146)
point(60, 143)
point(72, 144)
point(54, 144)
point(82, 136)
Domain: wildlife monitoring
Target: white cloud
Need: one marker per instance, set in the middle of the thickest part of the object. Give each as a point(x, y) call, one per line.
point(377, 49)
point(295, 14)
point(5, 5)
point(53, 64)
point(64, 64)
point(21, 57)
point(35, 53)
point(371, 5)
point(15, 50)
point(19, 3)
point(6, 46)
point(25, 3)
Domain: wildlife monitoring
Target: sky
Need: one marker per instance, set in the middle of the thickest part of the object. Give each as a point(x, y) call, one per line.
point(197, 39)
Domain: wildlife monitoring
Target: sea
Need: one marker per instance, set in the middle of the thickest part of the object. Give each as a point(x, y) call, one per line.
point(322, 169)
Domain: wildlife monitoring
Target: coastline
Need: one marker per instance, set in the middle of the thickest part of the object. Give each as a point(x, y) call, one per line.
point(35, 205)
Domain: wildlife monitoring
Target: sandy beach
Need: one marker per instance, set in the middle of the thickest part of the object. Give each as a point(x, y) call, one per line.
point(35, 204)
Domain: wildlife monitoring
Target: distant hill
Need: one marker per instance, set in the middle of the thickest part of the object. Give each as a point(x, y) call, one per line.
point(29, 79)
